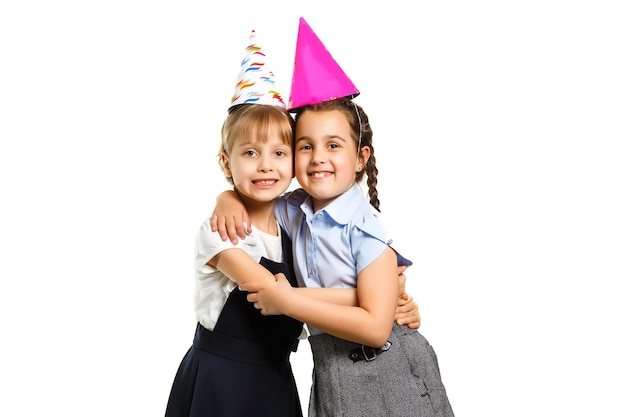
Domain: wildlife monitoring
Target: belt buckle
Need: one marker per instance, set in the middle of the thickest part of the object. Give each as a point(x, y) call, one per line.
point(367, 349)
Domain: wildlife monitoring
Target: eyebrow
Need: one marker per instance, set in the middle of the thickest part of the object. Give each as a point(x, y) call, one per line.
point(326, 137)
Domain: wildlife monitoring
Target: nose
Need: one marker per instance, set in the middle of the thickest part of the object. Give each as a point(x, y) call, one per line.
point(318, 156)
point(265, 163)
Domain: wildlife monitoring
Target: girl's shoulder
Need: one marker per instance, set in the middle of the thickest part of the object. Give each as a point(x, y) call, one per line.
point(292, 198)
point(296, 196)
point(373, 226)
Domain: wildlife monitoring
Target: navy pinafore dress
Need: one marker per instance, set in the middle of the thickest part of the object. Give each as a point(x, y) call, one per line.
point(242, 367)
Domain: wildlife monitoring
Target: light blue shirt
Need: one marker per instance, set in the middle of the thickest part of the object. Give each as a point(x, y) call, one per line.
point(333, 245)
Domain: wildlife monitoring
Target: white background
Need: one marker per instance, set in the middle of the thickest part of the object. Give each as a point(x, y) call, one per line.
point(499, 133)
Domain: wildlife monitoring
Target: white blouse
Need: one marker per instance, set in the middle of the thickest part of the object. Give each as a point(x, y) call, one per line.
point(212, 286)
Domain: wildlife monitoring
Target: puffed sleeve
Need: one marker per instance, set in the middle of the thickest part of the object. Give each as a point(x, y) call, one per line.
point(372, 227)
point(209, 244)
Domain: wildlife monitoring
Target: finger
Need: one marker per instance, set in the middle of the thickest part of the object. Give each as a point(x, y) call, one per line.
point(407, 319)
point(220, 223)
point(406, 314)
point(406, 303)
point(402, 283)
point(247, 221)
point(403, 309)
point(214, 223)
point(414, 325)
point(410, 321)
point(230, 229)
point(409, 311)
point(239, 230)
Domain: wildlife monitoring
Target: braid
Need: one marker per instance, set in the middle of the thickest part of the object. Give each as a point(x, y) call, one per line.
point(372, 181)
point(366, 139)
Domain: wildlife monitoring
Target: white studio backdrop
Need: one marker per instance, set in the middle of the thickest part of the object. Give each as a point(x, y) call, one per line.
point(499, 136)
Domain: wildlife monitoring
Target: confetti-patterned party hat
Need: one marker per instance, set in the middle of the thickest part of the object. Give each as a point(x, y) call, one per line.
point(256, 83)
point(316, 75)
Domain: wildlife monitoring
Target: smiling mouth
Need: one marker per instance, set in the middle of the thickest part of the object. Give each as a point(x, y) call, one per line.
point(264, 182)
point(323, 174)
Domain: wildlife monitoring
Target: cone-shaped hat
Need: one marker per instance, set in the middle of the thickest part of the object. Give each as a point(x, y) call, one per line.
point(316, 75)
point(255, 84)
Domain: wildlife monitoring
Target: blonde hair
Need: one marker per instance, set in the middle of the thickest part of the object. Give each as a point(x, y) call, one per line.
point(254, 120)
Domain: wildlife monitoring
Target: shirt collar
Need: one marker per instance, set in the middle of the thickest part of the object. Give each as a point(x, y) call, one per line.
point(342, 209)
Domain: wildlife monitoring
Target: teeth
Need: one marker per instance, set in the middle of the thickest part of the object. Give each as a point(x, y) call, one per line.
point(318, 174)
point(265, 182)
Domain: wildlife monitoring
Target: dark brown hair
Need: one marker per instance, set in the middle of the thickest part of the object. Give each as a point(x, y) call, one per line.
point(361, 133)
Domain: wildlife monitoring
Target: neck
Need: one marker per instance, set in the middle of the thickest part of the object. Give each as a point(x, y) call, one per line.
point(320, 204)
point(261, 215)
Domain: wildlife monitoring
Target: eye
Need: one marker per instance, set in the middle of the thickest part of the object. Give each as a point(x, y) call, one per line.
point(281, 153)
point(249, 153)
point(305, 148)
point(333, 146)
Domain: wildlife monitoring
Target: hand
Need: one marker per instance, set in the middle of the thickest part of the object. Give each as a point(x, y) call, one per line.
point(407, 312)
point(230, 217)
point(268, 297)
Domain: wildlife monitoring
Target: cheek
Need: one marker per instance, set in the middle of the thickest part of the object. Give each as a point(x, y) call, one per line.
point(300, 162)
point(238, 172)
point(286, 168)
point(299, 169)
point(346, 165)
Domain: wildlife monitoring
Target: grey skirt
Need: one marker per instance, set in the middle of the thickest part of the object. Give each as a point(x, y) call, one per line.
point(401, 381)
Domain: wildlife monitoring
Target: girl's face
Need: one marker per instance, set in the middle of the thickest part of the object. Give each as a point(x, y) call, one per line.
point(260, 171)
point(326, 155)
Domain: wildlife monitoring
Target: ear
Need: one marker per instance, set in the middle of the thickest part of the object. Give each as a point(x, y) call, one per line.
point(225, 164)
point(362, 158)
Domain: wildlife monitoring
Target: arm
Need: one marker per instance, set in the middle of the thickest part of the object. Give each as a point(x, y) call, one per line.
point(240, 267)
point(237, 265)
point(228, 218)
point(407, 311)
point(340, 296)
point(369, 323)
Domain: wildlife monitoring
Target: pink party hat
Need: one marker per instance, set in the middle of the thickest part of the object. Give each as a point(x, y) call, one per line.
point(316, 75)
point(256, 83)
